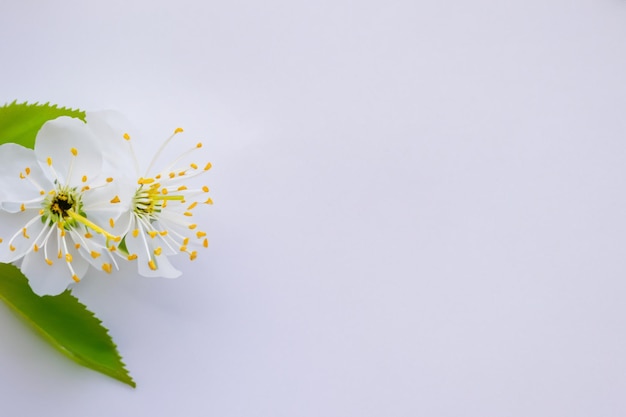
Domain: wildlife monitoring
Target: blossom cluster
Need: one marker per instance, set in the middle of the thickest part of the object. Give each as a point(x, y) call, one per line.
point(79, 200)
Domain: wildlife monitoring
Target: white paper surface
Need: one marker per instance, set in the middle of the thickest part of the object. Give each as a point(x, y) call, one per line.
point(419, 206)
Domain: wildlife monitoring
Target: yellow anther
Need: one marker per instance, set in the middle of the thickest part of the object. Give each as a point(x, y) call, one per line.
point(158, 251)
point(41, 192)
point(24, 233)
point(36, 248)
point(94, 254)
point(182, 188)
point(135, 232)
point(22, 175)
point(109, 179)
point(112, 222)
point(59, 255)
point(75, 278)
point(132, 257)
point(178, 130)
point(200, 234)
point(88, 235)
point(205, 243)
point(12, 248)
point(68, 257)
point(62, 232)
point(85, 188)
point(22, 207)
point(199, 145)
point(172, 174)
point(186, 241)
point(145, 180)
point(158, 176)
point(152, 265)
point(1, 240)
point(183, 248)
point(27, 170)
point(115, 199)
point(77, 246)
point(106, 268)
point(192, 226)
point(193, 255)
point(205, 188)
point(74, 151)
point(194, 166)
point(112, 248)
point(48, 261)
point(84, 178)
point(181, 173)
point(208, 201)
point(126, 136)
point(192, 205)
point(188, 214)
point(52, 192)
point(49, 160)
point(163, 233)
point(207, 166)
point(164, 191)
point(152, 233)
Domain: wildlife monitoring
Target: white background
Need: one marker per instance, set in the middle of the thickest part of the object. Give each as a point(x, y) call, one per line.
point(419, 206)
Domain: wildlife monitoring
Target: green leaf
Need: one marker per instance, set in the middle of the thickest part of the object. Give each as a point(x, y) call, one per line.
point(65, 323)
point(20, 122)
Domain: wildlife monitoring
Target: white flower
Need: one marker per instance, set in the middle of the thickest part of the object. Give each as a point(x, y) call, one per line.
point(56, 203)
point(160, 221)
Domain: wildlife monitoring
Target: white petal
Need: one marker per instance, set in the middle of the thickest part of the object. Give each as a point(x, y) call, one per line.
point(137, 245)
point(52, 279)
point(12, 233)
point(110, 127)
point(14, 159)
point(58, 139)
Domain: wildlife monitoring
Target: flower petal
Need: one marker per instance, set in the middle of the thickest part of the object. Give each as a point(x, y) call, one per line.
point(143, 246)
point(18, 232)
point(16, 160)
point(71, 148)
point(52, 279)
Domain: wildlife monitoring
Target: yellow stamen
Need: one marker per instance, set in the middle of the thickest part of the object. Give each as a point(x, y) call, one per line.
point(111, 222)
point(75, 278)
point(158, 251)
point(41, 192)
point(107, 268)
point(22, 207)
point(41, 212)
point(207, 166)
point(205, 243)
point(12, 248)
point(200, 234)
point(183, 248)
point(132, 257)
point(115, 199)
point(163, 233)
point(188, 214)
point(48, 261)
point(92, 225)
point(193, 226)
point(36, 248)
point(182, 188)
point(109, 179)
point(85, 188)
point(193, 255)
point(208, 201)
point(59, 255)
point(178, 130)
point(152, 265)
point(192, 205)
point(145, 180)
point(194, 166)
point(186, 241)
point(126, 136)
point(49, 160)
point(94, 254)
point(84, 179)
point(74, 151)
point(68, 257)
point(77, 246)
point(172, 175)
point(164, 191)
point(135, 232)
point(88, 235)
point(152, 233)
point(199, 145)
point(22, 175)
point(24, 233)
point(205, 188)
point(27, 170)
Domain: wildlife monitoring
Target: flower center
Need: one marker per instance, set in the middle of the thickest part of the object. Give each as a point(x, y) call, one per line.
point(60, 204)
point(149, 201)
